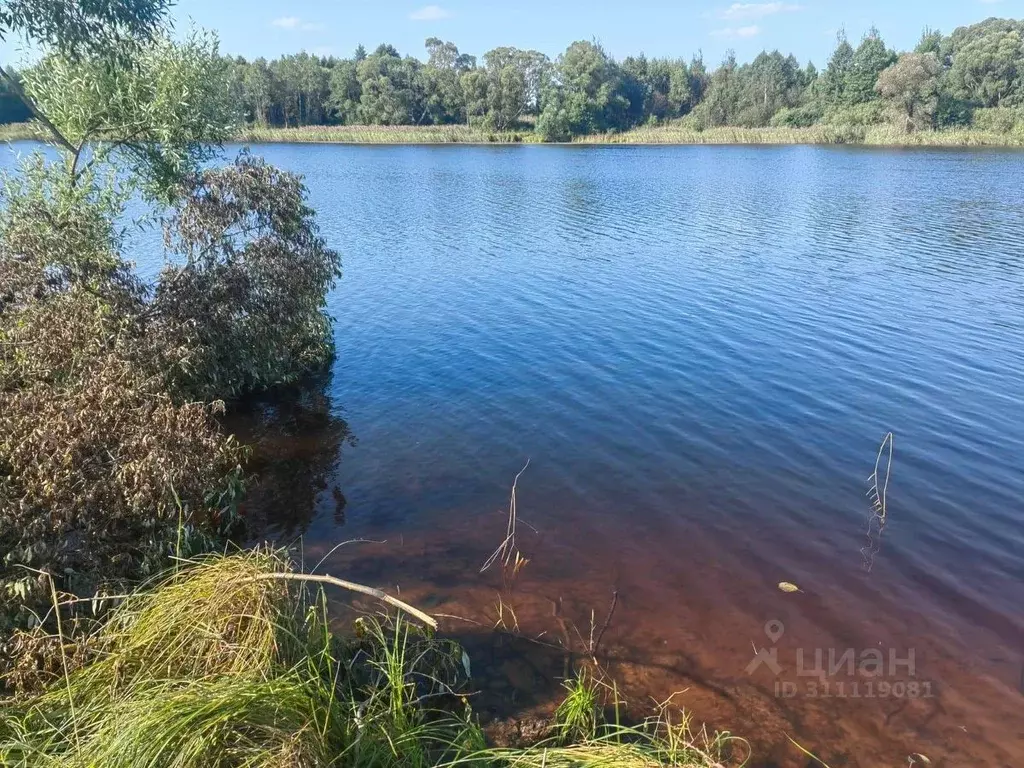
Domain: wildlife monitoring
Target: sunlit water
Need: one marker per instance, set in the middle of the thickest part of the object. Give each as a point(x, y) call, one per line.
point(699, 351)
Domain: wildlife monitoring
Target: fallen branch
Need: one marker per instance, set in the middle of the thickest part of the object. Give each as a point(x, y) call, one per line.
point(352, 587)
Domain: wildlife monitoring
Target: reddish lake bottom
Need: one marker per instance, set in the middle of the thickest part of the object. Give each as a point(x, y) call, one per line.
point(691, 614)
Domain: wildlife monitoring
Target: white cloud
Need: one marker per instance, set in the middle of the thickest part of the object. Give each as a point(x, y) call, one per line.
point(430, 13)
point(294, 22)
point(744, 11)
point(741, 32)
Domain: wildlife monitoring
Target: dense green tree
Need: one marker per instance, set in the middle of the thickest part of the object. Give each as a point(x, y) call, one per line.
point(304, 83)
point(987, 63)
point(345, 92)
point(770, 83)
point(911, 85)
point(867, 63)
point(443, 100)
point(258, 89)
point(699, 79)
point(474, 92)
point(930, 42)
point(835, 77)
point(390, 93)
point(722, 101)
point(586, 95)
point(664, 88)
point(511, 86)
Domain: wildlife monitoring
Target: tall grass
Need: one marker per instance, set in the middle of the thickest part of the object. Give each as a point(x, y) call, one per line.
point(383, 134)
point(875, 135)
point(224, 663)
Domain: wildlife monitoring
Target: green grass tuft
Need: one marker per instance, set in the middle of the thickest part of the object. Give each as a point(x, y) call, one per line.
point(230, 662)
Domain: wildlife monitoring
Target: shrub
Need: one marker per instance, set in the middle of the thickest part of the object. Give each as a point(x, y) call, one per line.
point(247, 296)
point(796, 117)
point(868, 113)
point(97, 467)
point(998, 120)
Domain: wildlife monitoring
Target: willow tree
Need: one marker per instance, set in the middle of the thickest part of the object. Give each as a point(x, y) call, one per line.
point(911, 85)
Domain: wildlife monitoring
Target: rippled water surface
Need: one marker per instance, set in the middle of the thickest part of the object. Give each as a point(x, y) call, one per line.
point(699, 351)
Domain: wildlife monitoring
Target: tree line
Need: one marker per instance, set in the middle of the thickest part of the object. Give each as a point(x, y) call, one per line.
point(974, 76)
point(941, 83)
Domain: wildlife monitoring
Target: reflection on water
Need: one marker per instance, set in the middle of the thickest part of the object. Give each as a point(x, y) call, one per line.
point(297, 441)
point(699, 349)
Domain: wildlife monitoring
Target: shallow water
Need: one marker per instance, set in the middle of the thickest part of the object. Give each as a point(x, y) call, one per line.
point(699, 350)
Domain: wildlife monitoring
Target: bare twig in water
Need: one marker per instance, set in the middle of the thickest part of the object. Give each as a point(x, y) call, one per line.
point(341, 544)
point(877, 493)
point(384, 597)
point(607, 621)
point(507, 547)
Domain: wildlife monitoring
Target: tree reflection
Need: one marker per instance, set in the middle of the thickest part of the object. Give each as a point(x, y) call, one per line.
point(296, 440)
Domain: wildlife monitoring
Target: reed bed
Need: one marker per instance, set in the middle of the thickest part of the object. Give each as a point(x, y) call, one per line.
point(879, 135)
point(383, 134)
point(230, 661)
point(876, 135)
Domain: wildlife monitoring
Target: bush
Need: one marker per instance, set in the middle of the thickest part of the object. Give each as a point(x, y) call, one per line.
point(951, 112)
point(110, 453)
point(796, 117)
point(98, 468)
point(868, 113)
point(998, 120)
point(247, 295)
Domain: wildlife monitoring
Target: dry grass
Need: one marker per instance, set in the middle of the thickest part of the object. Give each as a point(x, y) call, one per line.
point(382, 134)
point(881, 135)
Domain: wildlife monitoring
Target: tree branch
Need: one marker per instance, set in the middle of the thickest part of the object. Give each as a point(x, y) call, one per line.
point(353, 587)
point(20, 92)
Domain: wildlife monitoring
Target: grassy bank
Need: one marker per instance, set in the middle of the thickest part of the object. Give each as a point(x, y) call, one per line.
point(877, 135)
point(230, 662)
point(383, 134)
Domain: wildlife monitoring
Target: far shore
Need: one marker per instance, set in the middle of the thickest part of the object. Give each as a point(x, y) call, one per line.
point(875, 135)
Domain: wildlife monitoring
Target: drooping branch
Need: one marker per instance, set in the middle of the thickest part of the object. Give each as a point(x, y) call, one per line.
point(37, 114)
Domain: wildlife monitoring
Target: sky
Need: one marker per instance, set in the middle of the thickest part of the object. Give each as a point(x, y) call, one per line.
point(806, 28)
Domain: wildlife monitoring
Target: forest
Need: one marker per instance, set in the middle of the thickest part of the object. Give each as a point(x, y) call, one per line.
point(974, 76)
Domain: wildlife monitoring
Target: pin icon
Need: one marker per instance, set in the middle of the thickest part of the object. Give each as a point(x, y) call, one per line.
point(774, 629)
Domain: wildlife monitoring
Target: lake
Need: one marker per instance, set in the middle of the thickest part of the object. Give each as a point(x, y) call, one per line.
point(699, 351)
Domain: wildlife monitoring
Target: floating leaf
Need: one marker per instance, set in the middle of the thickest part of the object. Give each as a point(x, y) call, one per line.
point(923, 758)
point(465, 664)
point(785, 586)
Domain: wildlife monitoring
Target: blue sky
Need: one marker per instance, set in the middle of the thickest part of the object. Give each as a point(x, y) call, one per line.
point(806, 28)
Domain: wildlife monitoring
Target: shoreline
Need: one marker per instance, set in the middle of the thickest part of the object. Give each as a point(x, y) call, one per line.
point(881, 137)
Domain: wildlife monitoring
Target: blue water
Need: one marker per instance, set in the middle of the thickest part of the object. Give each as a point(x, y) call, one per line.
point(699, 350)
